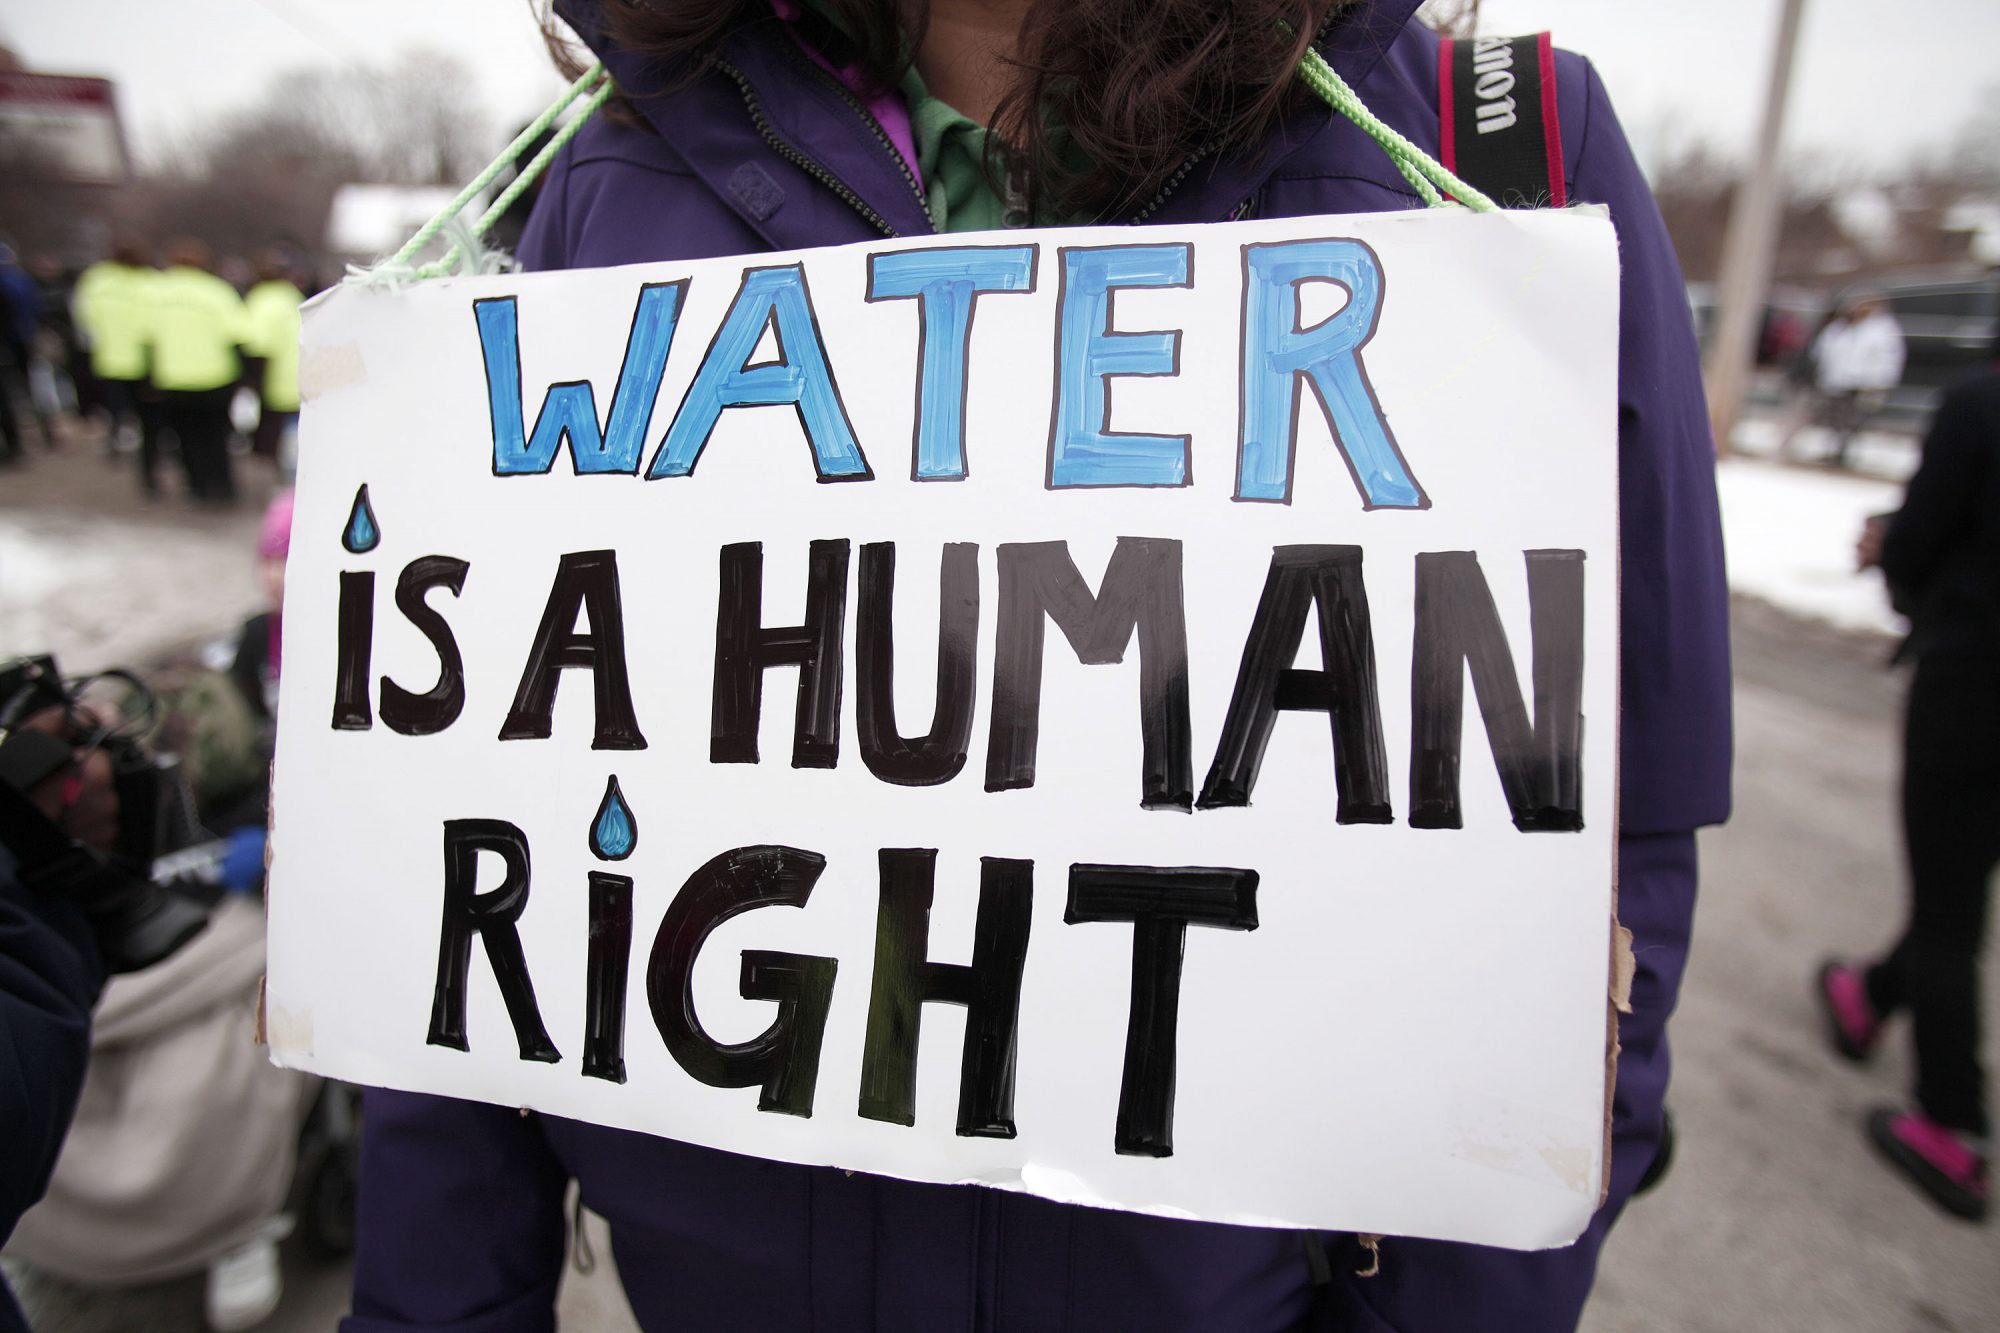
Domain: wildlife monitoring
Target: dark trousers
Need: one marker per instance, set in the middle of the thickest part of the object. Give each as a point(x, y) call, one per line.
point(1951, 827)
point(147, 405)
point(11, 448)
point(1844, 412)
point(13, 387)
point(271, 424)
point(200, 421)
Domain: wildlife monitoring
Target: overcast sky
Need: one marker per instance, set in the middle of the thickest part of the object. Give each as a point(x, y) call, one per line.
point(1875, 81)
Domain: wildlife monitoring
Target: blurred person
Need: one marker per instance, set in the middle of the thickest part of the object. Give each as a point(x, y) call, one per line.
point(50, 968)
point(69, 375)
point(462, 1204)
point(199, 1181)
point(194, 330)
point(228, 740)
point(111, 303)
point(237, 271)
point(181, 1153)
point(20, 318)
point(1940, 554)
point(271, 313)
point(12, 450)
point(257, 657)
point(1857, 358)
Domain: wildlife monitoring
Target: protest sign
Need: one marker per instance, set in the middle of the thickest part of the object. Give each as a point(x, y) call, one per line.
point(985, 709)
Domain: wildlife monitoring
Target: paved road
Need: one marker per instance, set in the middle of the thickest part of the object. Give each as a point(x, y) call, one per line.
point(1775, 1216)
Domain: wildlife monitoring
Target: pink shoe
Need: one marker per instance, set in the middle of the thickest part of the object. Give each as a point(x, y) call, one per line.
point(1850, 1020)
point(1941, 1162)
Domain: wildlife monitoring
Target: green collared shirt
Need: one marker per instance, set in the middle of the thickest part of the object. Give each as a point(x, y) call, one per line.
point(951, 159)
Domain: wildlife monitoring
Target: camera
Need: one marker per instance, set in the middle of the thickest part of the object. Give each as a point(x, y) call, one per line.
point(143, 895)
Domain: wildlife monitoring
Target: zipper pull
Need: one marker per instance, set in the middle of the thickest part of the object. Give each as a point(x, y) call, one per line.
point(1013, 204)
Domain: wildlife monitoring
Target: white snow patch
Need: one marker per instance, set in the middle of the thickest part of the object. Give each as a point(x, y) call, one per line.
point(101, 592)
point(1874, 453)
point(1790, 535)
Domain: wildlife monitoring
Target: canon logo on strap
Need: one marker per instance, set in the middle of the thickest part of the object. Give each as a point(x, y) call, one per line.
point(1493, 83)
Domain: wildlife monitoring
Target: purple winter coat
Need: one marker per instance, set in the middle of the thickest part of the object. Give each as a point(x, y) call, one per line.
point(461, 1204)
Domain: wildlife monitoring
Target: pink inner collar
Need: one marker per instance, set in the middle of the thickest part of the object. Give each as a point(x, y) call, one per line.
point(887, 108)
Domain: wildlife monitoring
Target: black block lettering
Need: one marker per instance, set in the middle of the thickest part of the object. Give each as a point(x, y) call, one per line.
point(1142, 589)
point(1161, 903)
point(1326, 579)
point(605, 970)
point(438, 707)
point(783, 1060)
point(491, 916)
point(938, 755)
point(1458, 626)
point(905, 981)
point(744, 650)
point(354, 645)
point(584, 579)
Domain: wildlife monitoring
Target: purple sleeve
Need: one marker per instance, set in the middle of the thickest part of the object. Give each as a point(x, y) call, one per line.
point(1675, 745)
point(544, 241)
point(460, 1224)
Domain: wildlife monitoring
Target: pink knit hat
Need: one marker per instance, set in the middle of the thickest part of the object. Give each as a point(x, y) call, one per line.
point(275, 541)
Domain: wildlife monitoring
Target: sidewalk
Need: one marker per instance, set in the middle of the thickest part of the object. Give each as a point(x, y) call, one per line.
point(101, 577)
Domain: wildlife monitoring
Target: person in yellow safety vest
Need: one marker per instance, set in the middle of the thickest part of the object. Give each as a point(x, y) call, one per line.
point(195, 327)
point(110, 306)
point(271, 312)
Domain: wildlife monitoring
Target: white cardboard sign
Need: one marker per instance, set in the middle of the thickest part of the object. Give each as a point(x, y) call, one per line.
point(1127, 715)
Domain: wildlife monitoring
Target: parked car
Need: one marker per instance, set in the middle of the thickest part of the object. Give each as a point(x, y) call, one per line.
point(1950, 318)
point(1791, 316)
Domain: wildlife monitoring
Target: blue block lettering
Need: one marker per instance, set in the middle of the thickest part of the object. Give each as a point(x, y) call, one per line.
point(946, 283)
point(569, 410)
point(1279, 357)
point(777, 299)
point(1083, 449)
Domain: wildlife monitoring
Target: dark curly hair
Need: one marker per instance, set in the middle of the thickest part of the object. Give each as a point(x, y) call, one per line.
point(1112, 98)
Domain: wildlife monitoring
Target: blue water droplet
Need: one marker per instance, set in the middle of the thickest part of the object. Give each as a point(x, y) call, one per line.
point(615, 832)
point(363, 533)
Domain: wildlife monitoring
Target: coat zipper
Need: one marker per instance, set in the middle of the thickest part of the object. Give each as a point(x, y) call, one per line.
point(846, 193)
point(839, 187)
point(853, 200)
point(1172, 183)
point(882, 138)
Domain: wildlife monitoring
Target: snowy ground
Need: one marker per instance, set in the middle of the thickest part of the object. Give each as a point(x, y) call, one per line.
point(101, 590)
point(1789, 532)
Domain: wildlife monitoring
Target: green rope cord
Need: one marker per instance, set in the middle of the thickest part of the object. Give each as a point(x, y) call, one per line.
point(1411, 160)
point(1426, 175)
point(429, 230)
point(529, 173)
point(1421, 184)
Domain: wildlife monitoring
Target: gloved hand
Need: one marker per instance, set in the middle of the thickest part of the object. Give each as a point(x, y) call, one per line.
point(243, 862)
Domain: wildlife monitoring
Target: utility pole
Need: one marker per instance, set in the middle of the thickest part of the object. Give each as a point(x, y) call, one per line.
point(1750, 247)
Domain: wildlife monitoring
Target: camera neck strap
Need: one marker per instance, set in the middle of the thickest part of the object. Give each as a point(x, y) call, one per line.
point(1498, 120)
